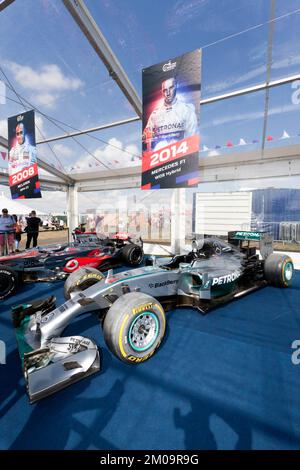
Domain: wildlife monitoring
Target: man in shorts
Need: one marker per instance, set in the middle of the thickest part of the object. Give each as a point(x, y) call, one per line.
point(7, 235)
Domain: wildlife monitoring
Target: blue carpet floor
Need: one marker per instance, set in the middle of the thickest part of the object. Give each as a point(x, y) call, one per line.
point(223, 381)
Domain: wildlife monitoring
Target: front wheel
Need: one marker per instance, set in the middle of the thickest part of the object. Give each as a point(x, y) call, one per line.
point(8, 281)
point(81, 279)
point(132, 254)
point(134, 327)
point(279, 270)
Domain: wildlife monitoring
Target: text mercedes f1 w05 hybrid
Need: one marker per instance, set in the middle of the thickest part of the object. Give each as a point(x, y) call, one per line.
point(132, 306)
point(55, 262)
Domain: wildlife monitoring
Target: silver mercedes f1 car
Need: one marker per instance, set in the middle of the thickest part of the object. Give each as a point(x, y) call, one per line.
point(132, 304)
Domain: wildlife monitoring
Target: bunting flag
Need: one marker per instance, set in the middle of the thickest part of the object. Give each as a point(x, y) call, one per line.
point(3, 155)
point(285, 135)
point(269, 138)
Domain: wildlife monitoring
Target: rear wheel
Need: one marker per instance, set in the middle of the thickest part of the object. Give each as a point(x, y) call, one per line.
point(132, 254)
point(81, 279)
point(8, 281)
point(134, 327)
point(279, 270)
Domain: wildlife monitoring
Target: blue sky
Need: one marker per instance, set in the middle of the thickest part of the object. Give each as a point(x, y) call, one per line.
point(51, 64)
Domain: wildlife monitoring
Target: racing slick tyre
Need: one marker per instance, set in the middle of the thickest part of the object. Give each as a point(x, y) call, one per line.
point(8, 281)
point(132, 254)
point(81, 279)
point(279, 270)
point(134, 327)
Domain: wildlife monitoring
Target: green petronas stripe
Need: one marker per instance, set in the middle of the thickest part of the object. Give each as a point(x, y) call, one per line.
point(22, 344)
point(242, 235)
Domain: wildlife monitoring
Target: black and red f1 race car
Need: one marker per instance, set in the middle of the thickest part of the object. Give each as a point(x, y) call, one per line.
point(55, 262)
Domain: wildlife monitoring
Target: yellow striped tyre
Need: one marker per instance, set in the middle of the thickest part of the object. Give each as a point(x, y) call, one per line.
point(279, 270)
point(81, 279)
point(134, 327)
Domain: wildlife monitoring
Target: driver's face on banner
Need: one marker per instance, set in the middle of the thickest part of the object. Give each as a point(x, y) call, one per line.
point(20, 133)
point(169, 90)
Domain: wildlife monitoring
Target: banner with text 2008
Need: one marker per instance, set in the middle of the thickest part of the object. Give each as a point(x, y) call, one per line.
point(171, 108)
point(22, 158)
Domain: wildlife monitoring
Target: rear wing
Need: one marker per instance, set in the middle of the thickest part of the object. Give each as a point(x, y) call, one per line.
point(265, 240)
point(124, 236)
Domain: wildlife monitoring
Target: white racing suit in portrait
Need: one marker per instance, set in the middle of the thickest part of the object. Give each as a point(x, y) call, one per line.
point(21, 156)
point(168, 124)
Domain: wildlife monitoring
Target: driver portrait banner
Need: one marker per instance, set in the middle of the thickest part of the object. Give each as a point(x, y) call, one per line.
point(171, 108)
point(22, 157)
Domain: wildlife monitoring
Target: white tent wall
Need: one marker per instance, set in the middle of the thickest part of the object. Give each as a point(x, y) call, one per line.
point(16, 207)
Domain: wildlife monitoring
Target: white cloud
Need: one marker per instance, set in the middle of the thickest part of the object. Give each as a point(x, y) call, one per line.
point(251, 116)
point(183, 12)
point(49, 77)
point(232, 81)
point(62, 150)
point(288, 61)
point(112, 155)
point(47, 82)
point(45, 99)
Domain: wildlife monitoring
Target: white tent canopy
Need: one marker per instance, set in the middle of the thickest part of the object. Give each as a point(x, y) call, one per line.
point(15, 207)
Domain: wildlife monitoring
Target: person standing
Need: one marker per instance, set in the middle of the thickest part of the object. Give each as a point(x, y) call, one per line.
point(32, 229)
point(7, 226)
point(18, 231)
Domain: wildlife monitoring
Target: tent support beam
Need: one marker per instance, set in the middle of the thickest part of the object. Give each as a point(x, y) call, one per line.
point(42, 164)
point(5, 4)
point(72, 209)
point(178, 221)
point(92, 32)
point(89, 131)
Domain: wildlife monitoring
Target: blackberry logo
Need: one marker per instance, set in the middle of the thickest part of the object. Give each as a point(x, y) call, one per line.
point(162, 284)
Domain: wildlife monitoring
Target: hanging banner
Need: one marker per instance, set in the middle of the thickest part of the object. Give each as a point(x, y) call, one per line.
point(171, 107)
point(22, 157)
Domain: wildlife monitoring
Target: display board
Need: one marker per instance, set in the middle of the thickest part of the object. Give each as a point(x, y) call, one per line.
point(22, 159)
point(171, 106)
point(220, 213)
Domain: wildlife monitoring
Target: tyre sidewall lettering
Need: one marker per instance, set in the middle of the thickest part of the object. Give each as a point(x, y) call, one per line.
point(89, 276)
point(125, 327)
point(13, 279)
